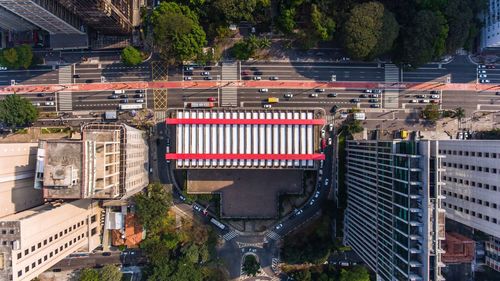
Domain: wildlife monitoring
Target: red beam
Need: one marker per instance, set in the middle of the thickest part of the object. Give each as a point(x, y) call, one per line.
point(208, 121)
point(213, 156)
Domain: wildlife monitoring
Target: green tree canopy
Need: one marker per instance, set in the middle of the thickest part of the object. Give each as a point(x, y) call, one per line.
point(357, 273)
point(250, 265)
point(286, 20)
point(370, 30)
point(152, 206)
point(459, 113)
point(459, 16)
point(110, 273)
point(302, 275)
point(177, 32)
point(322, 25)
point(131, 56)
point(20, 56)
point(234, 11)
point(16, 111)
point(431, 112)
point(423, 40)
point(89, 274)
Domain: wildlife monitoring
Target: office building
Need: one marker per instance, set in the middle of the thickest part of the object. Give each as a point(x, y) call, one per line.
point(472, 187)
point(65, 29)
point(33, 241)
point(116, 17)
point(109, 162)
point(17, 175)
point(394, 220)
point(490, 33)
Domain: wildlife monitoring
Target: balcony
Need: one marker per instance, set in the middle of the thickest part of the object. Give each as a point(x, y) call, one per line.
point(415, 223)
point(415, 237)
point(415, 210)
point(414, 277)
point(415, 250)
point(414, 263)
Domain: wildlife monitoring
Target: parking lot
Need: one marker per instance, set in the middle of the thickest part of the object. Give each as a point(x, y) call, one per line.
point(246, 193)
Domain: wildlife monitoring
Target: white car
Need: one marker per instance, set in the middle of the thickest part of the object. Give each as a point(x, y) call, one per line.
point(368, 91)
point(484, 81)
point(481, 71)
point(483, 76)
point(321, 164)
point(323, 132)
point(188, 78)
point(197, 207)
point(424, 101)
point(421, 96)
point(279, 226)
point(312, 202)
point(298, 212)
point(139, 101)
point(481, 66)
point(316, 195)
point(264, 90)
point(257, 78)
point(49, 103)
point(326, 182)
point(374, 96)
point(330, 127)
point(329, 141)
point(188, 68)
point(205, 73)
point(267, 105)
point(320, 90)
point(413, 101)
point(36, 104)
point(344, 115)
point(314, 95)
point(274, 78)
point(3, 68)
point(288, 95)
point(434, 96)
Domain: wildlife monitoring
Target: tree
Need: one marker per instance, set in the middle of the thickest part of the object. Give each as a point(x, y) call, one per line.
point(354, 127)
point(25, 56)
point(89, 274)
point(459, 113)
point(9, 58)
point(110, 273)
point(286, 20)
point(323, 26)
point(423, 40)
point(152, 206)
point(251, 266)
point(177, 32)
point(234, 11)
point(357, 273)
point(302, 275)
point(16, 111)
point(241, 50)
point(131, 56)
point(459, 16)
point(431, 112)
point(20, 56)
point(370, 30)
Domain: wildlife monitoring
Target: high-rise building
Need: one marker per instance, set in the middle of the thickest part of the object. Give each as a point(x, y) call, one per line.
point(109, 162)
point(66, 29)
point(472, 187)
point(33, 241)
point(117, 17)
point(17, 175)
point(490, 36)
point(394, 220)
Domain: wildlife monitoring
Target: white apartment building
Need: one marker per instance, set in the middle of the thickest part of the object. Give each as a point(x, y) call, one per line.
point(491, 29)
point(33, 241)
point(472, 186)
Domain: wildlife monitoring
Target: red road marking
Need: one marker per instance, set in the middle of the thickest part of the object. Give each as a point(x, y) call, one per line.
point(213, 156)
point(171, 121)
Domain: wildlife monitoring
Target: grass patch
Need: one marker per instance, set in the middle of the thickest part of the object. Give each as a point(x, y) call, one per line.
point(55, 130)
point(22, 131)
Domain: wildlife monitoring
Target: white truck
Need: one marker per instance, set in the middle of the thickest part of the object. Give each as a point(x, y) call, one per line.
point(359, 116)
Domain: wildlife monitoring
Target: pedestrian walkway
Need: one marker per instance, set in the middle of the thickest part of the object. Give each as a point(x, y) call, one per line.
point(391, 96)
point(64, 101)
point(229, 95)
point(273, 235)
point(65, 74)
point(230, 235)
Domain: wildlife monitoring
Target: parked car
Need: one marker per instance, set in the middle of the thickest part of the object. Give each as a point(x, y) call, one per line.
point(375, 105)
point(421, 96)
point(321, 90)
point(413, 101)
point(113, 97)
point(257, 78)
point(76, 76)
point(363, 96)
point(424, 101)
point(188, 68)
point(264, 90)
point(483, 76)
point(208, 78)
point(369, 91)
point(344, 115)
point(374, 95)
point(279, 226)
point(267, 105)
point(124, 96)
point(326, 182)
point(484, 81)
point(188, 78)
point(139, 101)
point(40, 95)
point(373, 100)
point(355, 100)
point(140, 91)
point(316, 194)
point(212, 99)
point(274, 78)
point(313, 95)
point(49, 103)
point(332, 95)
point(139, 96)
point(481, 71)
point(434, 96)
point(197, 207)
point(288, 95)
point(124, 101)
point(205, 73)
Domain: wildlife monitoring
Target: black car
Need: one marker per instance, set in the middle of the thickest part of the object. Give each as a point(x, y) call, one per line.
point(334, 109)
point(332, 95)
point(40, 95)
point(106, 254)
point(257, 73)
point(113, 97)
point(76, 76)
point(363, 96)
point(207, 68)
point(208, 78)
point(140, 91)
point(355, 100)
point(124, 101)
point(124, 96)
point(89, 81)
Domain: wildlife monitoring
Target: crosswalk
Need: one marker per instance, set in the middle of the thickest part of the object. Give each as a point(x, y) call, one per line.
point(229, 95)
point(391, 97)
point(230, 235)
point(65, 74)
point(273, 235)
point(65, 102)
